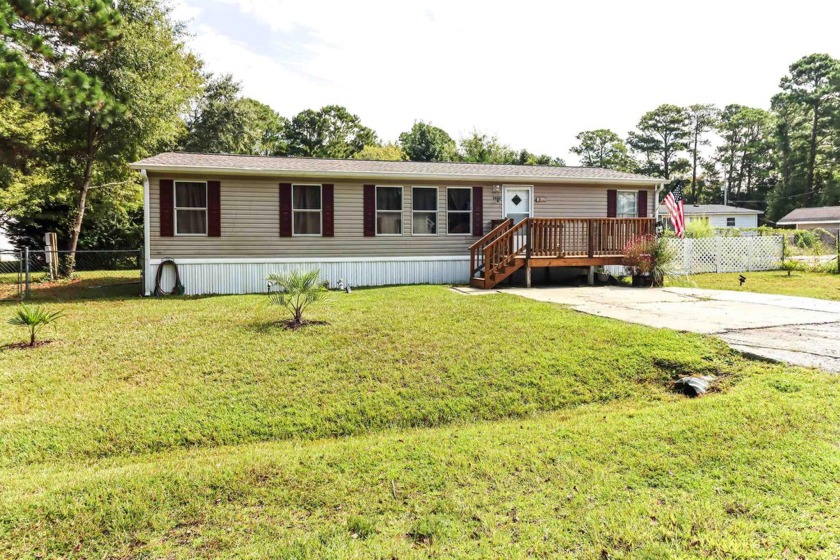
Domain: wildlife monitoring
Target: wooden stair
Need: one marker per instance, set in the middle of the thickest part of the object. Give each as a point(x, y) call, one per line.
point(502, 272)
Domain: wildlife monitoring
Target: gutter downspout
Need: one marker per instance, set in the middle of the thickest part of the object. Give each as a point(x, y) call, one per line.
point(659, 188)
point(147, 240)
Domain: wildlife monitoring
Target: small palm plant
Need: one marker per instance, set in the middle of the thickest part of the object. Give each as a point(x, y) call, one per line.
point(34, 317)
point(296, 291)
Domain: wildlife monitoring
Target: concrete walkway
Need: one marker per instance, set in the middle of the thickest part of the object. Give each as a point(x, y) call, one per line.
point(796, 330)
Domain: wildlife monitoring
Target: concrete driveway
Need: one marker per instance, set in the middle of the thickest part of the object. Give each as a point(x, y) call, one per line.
point(796, 330)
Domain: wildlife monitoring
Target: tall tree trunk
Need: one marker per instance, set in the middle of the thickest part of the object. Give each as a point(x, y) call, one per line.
point(84, 187)
point(694, 169)
point(812, 156)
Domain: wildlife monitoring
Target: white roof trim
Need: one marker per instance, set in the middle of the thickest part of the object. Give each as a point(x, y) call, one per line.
point(390, 175)
point(784, 223)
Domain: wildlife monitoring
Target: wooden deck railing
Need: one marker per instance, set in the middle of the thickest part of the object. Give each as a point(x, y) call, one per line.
point(555, 238)
point(585, 237)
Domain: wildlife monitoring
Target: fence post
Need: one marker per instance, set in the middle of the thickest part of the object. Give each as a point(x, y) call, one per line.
point(26, 273)
point(750, 251)
point(837, 244)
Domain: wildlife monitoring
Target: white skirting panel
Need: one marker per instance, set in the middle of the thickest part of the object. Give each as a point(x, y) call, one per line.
point(246, 276)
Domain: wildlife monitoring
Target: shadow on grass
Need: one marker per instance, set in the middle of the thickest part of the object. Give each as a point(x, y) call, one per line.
point(91, 288)
point(267, 327)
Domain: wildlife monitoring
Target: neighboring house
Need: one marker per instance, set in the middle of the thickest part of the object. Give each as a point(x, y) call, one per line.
point(6, 247)
point(719, 215)
point(824, 217)
point(228, 221)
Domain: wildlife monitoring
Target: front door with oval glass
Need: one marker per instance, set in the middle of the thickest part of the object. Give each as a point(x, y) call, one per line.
point(517, 203)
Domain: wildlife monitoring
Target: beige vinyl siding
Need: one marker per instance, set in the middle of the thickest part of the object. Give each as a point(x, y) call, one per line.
point(250, 221)
point(828, 226)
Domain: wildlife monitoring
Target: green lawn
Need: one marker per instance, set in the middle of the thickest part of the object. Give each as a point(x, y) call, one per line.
point(418, 422)
point(806, 284)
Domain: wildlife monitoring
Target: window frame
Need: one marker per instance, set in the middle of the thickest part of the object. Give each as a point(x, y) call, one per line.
point(734, 221)
point(320, 211)
point(400, 211)
point(175, 208)
point(436, 210)
point(470, 212)
point(635, 197)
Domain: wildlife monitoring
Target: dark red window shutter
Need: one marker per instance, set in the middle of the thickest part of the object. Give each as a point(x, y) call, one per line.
point(328, 206)
point(285, 209)
point(612, 203)
point(478, 211)
point(167, 207)
point(641, 203)
point(214, 209)
point(370, 210)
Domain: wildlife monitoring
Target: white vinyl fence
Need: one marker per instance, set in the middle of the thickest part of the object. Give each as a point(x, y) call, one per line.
point(727, 254)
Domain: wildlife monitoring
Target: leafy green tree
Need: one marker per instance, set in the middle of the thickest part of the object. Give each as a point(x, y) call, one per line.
point(744, 154)
point(23, 134)
point(330, 132)
point(810, 105)
point(222, 121)
point(603, 148)
point(527, 158)
point(701, 120)
point(385, 152)
point(114, 81)
point(660, 137)
point(425, 142)
point(479, 147)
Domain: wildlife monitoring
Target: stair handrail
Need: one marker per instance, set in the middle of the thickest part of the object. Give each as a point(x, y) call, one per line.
point(497, 248)
point(477, 249)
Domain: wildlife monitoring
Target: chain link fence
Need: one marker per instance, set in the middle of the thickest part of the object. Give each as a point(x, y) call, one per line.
point(44, 274)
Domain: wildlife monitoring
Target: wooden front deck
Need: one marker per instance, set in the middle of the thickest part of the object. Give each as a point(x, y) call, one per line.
point(548, 242)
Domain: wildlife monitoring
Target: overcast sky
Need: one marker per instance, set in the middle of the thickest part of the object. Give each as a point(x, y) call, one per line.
point(533, 73)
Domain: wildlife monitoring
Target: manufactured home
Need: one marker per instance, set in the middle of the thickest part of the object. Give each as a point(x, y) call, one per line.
point(227, 221)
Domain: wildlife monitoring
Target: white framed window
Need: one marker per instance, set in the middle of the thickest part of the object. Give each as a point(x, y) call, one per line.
point(306, 210)
point(424, 210)
point(190, 207)
point(459, 210)
point(730, 222)
point(627, 203)
point(389, 210)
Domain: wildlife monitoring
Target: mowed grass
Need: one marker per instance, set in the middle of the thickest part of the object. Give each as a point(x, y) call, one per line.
point(417, 423)
point(822, 285)
point(135, 375)
point(750, 473)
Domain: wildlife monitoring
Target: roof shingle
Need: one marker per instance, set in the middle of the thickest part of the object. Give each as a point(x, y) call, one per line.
point(276, 165)
point(820, 214)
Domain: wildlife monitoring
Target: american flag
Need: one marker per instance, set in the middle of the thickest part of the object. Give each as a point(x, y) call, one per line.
point(674, 202)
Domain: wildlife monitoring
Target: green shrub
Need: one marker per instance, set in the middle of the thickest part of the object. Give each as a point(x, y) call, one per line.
point(789, 265)
point(696, 229)
point(35, 318)
point(296, 291)
point(650, 256)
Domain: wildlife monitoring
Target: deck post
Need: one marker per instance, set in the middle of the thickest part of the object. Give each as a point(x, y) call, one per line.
point(527, 273)
point(590, 277)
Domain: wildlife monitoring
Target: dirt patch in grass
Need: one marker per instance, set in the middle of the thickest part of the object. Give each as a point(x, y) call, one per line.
point(292, 325)
point(25, 345)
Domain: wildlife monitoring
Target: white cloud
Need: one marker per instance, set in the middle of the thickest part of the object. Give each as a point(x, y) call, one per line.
point(535, 73)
